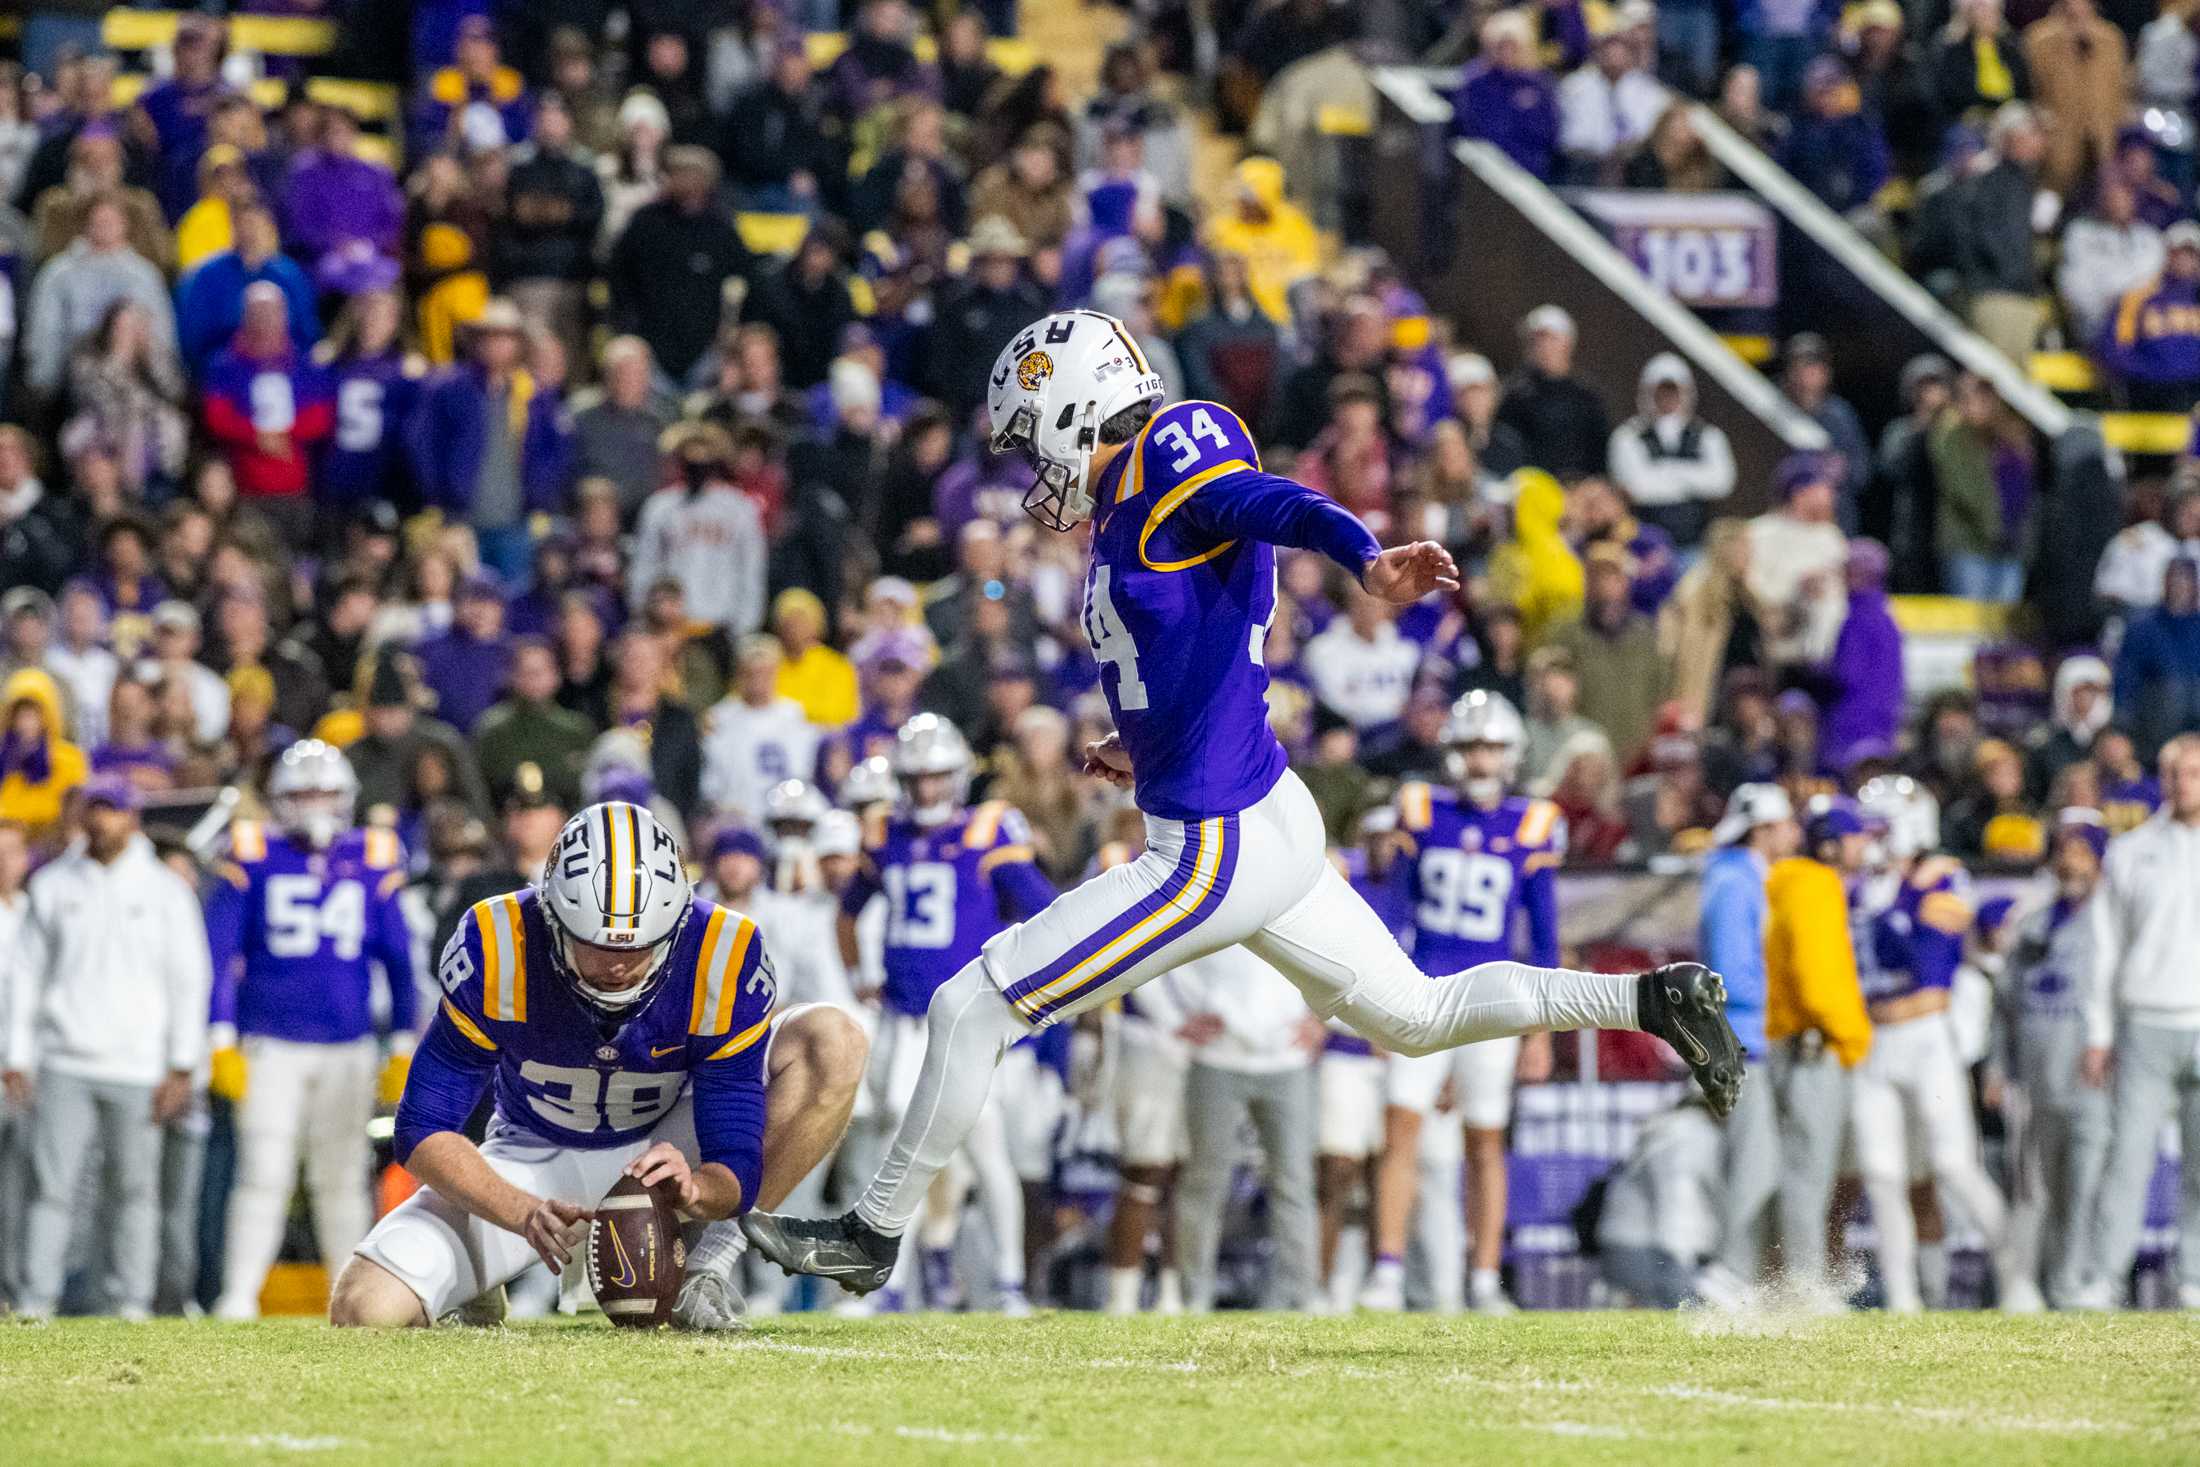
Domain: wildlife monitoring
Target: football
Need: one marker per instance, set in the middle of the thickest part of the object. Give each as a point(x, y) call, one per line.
point(636, 1258)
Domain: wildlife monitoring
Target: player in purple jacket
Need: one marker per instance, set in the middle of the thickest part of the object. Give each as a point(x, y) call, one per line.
point(1177, 601)
point(302, 915)
point(952, 877)
point(626, 1028)
point(1478, 865)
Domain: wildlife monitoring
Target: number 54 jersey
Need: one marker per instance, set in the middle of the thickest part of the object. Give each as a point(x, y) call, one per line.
point(1178, 599)
point(1469, 871)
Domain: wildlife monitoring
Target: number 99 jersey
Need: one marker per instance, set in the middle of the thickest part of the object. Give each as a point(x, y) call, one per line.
point(1467, 871)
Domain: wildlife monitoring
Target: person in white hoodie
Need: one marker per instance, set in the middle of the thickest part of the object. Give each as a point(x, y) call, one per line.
point(2142, 1021)
point(1674, 465)
point(108, 984)
point(1253, 1042)
point(702, 532)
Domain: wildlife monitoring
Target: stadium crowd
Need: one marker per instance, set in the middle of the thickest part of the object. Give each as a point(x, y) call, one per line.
point(536, 474)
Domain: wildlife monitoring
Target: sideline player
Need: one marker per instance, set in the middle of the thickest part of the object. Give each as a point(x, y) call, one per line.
point(946, 872)
point(1474, 858)
point(628, 1029)
point(1912, 1090)
point(300, 916)
point(1177, 601)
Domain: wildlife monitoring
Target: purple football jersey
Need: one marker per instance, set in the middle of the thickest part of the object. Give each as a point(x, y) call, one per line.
point(1471, 874)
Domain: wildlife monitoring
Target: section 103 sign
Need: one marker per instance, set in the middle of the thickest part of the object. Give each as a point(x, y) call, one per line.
point(1711, 251)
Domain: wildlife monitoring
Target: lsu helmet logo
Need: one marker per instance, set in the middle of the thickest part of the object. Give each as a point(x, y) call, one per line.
point(1034, 369)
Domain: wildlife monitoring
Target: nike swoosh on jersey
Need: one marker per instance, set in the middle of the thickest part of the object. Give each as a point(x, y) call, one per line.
point(656, 1053)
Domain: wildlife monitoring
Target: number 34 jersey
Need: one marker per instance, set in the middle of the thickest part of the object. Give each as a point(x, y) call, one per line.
point(1469, 871)
point(947, 888)
point(574, 1078)
point(1178, 599)
point(295, 934)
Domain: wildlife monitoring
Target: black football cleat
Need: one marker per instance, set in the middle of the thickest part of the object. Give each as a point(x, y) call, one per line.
point(845, 1249)
point(1684, 1004)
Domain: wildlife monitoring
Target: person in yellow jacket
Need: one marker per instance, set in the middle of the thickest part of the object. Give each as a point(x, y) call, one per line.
point(1816, 1029)
point(38, 767)
point(1273, 234)
point(822, 680)
point(1536, 572)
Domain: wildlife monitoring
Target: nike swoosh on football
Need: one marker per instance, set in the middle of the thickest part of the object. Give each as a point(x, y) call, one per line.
point(656, 1053)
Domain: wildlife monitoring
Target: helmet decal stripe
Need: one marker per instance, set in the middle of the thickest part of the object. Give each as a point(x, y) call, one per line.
point(708, 972)
point(634, 865)
point(610, 861)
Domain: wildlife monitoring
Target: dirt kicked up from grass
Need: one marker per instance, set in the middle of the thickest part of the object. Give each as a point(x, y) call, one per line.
point(1070, 1390)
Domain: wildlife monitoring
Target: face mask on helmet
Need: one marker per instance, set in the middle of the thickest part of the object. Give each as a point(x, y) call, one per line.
point(615, 899)
point(1058, 497)
point(1482, 780)
point(316, 817)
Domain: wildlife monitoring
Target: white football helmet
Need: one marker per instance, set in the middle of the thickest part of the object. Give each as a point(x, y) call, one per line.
point(615, 879)
point(869, 783)
point(1483, 717)
point(929, 744)
point(313, 792)
point(1911, 814)
point(793, 807)
point(838, 834)
point(1051, 389)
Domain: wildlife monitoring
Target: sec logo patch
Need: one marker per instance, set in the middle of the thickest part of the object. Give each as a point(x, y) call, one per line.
point(1034, 369)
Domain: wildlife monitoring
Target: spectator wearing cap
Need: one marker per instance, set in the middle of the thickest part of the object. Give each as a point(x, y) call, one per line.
point(39, 766)
point(1615, 653)
point(109, 1025)
point(2158, 665)
point(209, 226)
point(1977, 62)
point(1607, 108)
point(1231, 351)
point(2080, 67)
point(73, 292)
point(1560, 418)
point(2059, 1139)
point(1598, 513)
point(1836, 149)
point(41, 534)
point(1473, 388)
point(1505, 98)
point(1904, 497)
point(1797, 556)
point(820, 679)
point(210, 301)
point(979, 315)
point(755, 736)
point(269, 407)
point(2083, 704)
point(490, 447)
point(1757, 830)
point(1991, 819)
point(1992, 249)
point(617, 432)
point(2107, 252)
point(857, 375)
point(1806, 376)
point(632, 170)
point(669, 268)
point(1864, 677)
point(2139, 166)
point(774, 139)
point(476, 103)
point(1815, 1026)
point(466, 664)
point(391, 731)
point(1982, 462)
point(176, 109)
point(525, 735)
point(543, 252)
point(1276, 239)
point(1672, 464)
point(702, 532)
point(2152, 341)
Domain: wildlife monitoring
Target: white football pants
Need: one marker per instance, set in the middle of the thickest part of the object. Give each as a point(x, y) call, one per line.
point(314, 1099)
point(895, 1067)
point(1260, 877)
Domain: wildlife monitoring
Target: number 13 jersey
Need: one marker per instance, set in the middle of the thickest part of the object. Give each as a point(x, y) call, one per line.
point(1178, 599)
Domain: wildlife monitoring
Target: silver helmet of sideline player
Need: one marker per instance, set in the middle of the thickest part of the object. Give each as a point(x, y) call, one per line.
point(313, 792)
point(1052, 387)
point(614, 895)
point(932, 761)
point(1483, 737)
point(792, 809)
point(1911, 815)
point(869, 783)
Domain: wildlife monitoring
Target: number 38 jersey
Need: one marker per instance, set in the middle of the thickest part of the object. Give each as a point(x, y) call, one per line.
point(566, 1074)
point(295, 934)
point(1178, 599)
point(1469, 870)
point(946, 888)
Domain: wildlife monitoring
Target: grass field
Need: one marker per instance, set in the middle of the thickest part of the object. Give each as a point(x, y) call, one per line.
point(1079, 1389)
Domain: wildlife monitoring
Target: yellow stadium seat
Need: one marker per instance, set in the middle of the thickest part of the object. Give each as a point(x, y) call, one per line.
point(2159, 434)
point(2063, 371)
point(1755, 350)
point(772, 234)
point(366, 100)
point(126, 89)
point(1947, 616)
point(1010, 53)
point(270, 35)
point(378, 150)
point(138, 30)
